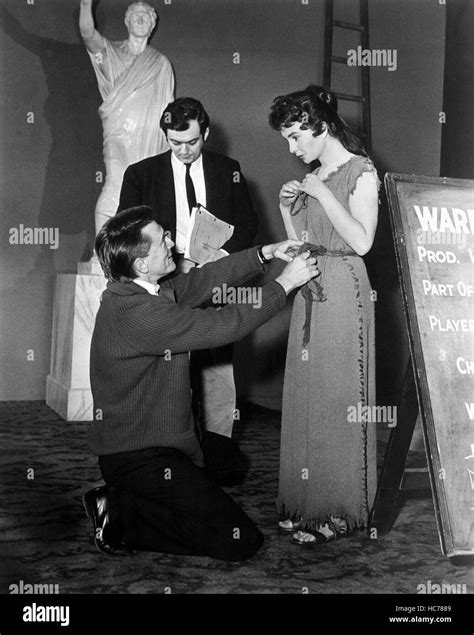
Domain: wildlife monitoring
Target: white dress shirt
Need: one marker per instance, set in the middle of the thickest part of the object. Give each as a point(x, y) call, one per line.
point(183, 216)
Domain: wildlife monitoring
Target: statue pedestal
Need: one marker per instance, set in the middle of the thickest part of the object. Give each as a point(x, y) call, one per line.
point(90, 267)
point(76, 302)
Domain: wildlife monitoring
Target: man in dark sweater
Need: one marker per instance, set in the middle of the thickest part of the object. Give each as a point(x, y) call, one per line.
point(157, 495)
point(173, 183)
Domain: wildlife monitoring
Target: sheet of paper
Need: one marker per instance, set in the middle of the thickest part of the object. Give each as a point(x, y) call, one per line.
point(206, 235)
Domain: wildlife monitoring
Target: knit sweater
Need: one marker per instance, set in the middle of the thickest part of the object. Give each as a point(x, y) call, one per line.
point(139, 362)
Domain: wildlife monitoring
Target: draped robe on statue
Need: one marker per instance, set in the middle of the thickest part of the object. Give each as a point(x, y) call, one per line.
point(134, 98)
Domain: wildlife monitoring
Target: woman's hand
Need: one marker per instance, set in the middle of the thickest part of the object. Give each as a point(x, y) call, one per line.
point(286, 250)
point(288, 193)
point(357, 224)
point(313, 186)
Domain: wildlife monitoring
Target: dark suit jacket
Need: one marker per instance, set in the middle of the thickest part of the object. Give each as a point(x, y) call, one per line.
point(150, 182)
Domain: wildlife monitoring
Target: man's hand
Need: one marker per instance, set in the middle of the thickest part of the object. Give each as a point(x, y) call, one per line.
point(286, 250)
point(298, 272)
point(288, 193)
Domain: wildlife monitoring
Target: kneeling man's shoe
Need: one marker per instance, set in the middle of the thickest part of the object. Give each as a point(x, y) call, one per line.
point(95, 504)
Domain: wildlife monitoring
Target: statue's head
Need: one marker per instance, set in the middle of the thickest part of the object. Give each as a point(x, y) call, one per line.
point(140, 19)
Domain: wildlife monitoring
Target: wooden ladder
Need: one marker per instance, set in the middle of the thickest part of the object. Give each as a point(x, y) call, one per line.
point(330, 29)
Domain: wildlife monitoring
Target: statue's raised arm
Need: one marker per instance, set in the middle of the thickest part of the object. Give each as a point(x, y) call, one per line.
point(136, 83)
point(92, 38)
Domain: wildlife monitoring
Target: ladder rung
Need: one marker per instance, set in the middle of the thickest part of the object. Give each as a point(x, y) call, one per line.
point(348, 25)
point(338, 59)
point(347, 97)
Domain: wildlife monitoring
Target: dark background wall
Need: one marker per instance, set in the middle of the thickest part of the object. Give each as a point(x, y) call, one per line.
point(457, 156)
point(48, 168)
point(406, 139)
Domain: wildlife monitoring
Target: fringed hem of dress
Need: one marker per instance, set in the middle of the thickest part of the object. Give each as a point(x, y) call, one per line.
point(286, 512)
point(362, 387)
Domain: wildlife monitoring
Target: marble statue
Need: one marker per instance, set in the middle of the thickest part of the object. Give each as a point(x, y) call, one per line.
point(136, 83)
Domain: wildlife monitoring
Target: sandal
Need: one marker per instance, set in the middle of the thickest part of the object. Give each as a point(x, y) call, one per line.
point(289, 526)
point(338, 526)
point(301, 538)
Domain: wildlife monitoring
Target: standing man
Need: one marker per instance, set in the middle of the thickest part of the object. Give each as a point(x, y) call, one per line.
point(172, 183)
point(136, 82)
point(157, 497)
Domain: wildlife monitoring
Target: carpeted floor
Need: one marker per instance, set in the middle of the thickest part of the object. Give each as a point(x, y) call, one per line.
point(45, 538)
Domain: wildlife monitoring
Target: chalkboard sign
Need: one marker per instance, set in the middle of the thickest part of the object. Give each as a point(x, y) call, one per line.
point(433, 229)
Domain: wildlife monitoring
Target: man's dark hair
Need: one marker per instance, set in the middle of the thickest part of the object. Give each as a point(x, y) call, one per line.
point(121, 241)
point(178, 114)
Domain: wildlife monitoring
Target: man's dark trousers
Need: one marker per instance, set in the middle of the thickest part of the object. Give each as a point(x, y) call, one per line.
point(160, 501)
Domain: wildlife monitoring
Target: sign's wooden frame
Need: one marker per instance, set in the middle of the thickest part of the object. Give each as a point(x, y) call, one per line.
point(387, 494)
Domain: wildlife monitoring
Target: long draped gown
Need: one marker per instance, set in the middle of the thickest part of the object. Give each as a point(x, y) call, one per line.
point(134, 97)
point(328, 461)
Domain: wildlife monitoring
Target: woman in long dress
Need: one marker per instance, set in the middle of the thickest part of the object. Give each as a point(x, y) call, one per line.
point(328, 446)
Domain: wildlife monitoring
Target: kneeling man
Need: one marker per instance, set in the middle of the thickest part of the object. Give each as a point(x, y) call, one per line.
point(158, 497)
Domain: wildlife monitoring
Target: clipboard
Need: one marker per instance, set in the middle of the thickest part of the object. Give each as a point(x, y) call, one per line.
point(206, 235)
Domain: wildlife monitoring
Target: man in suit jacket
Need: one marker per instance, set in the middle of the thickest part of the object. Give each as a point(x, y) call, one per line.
point(158, 497)
point(172, 183)
point(219, 185)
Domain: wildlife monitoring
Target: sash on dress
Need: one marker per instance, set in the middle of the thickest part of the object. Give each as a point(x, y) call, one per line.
point(313, 291)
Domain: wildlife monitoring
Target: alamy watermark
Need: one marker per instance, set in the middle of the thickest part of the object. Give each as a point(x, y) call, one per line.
point(443, 588)
point(39, 613)
point(372, 57)
point(372, 414)
point(22, 235)
point(440, 238)
point(25, 588)
point(237, 295)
